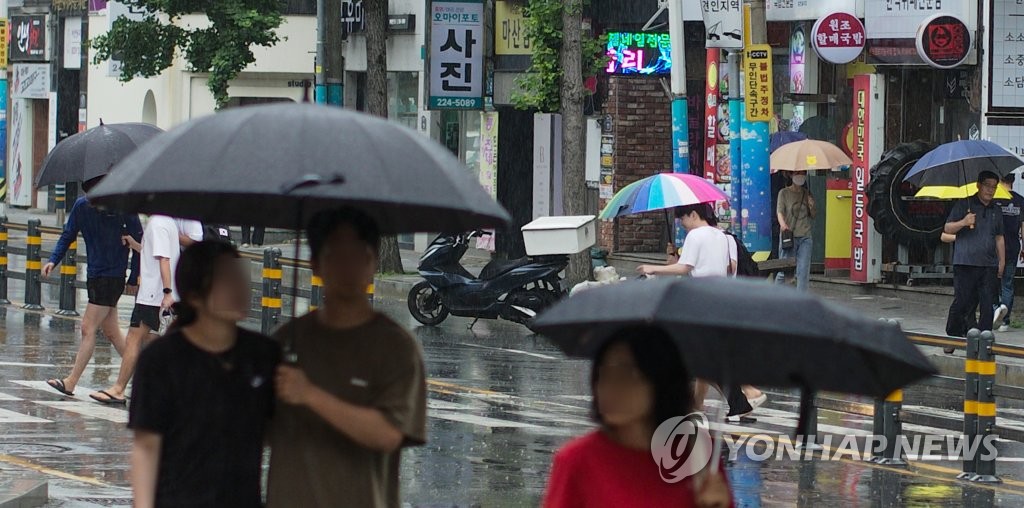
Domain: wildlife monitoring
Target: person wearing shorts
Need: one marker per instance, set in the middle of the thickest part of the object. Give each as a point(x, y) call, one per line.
point(108, 257)
point(160, 248)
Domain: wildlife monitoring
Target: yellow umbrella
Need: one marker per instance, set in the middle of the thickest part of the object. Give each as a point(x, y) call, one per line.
point(962, 192)
point(808, 155)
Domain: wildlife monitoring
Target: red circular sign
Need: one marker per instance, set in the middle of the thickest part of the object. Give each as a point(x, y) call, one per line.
point(838, 37)
point(943, 41)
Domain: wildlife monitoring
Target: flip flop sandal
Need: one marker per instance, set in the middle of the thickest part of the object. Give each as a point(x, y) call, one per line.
point(58, 384)
point(110, 400)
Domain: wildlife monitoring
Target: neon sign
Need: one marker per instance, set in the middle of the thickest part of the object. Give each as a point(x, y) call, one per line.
point(638, 53)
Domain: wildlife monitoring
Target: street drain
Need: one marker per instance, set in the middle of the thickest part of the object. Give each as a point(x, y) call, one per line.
point(31, 449)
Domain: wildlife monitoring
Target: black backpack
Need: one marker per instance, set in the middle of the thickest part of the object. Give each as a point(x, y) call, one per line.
point(216, 232)
point(745, 264)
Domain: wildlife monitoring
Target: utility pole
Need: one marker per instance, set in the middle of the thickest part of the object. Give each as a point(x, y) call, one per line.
point(334, 60)
point(754, 159)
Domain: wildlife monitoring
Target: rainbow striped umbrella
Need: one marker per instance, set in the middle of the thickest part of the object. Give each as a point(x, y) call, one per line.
point(661, 192)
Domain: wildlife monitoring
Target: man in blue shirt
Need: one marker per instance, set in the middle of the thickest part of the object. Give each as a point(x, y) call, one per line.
point(1012, 229)
point(108, 262)
point(978, 256)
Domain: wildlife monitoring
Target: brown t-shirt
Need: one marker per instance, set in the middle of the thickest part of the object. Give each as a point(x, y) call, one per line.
point(376, 365)
point(794, 207)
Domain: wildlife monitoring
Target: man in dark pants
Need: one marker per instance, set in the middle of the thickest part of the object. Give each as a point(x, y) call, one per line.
point(978, 257)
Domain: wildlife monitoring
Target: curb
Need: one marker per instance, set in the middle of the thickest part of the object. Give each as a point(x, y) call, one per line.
point(394, 288)
point(24, 493)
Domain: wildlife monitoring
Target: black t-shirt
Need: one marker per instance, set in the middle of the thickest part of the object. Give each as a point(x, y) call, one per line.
point(1011, 223)
point(977, 246)
point(211, 411)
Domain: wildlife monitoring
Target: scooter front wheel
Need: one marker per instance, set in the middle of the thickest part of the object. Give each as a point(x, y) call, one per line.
point(425, 305)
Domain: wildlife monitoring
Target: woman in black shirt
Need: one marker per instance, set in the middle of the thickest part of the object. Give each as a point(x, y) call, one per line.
point(203, 393)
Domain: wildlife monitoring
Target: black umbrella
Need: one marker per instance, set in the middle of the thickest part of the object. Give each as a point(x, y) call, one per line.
point(277, 165)
point(734, 331)
point(91, 154)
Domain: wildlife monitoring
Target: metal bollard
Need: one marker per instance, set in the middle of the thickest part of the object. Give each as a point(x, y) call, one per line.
point(369, 293)
point(33, 267)
point(892, 429)
point(970, 400)
point(68, 276)
point(3, 262)
point(271, 315)
point(59, 202)
point(986, 469)
point(316, 292)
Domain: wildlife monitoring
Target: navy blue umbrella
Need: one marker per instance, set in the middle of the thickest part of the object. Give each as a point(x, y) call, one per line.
point(959, 163)
point(784, 137)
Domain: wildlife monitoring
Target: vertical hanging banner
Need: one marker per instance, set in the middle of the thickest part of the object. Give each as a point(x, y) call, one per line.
point(711, 115)
point(680, 136)
point(488, 167)
point(724, 22)
point(456, 55)
point(861, 175)
point(757, 63)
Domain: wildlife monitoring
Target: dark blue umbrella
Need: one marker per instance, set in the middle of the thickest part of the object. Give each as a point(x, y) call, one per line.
point(959, 163)
point(784, 137)
point(91, 154)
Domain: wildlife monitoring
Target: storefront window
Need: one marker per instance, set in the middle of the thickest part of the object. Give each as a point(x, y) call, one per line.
point(403, 106)
point(469, 144)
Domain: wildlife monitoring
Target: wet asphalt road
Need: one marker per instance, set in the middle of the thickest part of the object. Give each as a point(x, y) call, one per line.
point(501, 402)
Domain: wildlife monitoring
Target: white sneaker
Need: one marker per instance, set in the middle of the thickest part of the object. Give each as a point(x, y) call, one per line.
point(1000, 313)
point(758, 401)
point(1004, 328)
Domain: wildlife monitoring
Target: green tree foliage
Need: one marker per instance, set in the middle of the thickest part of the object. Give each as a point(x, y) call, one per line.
point(541, 84)
point(223, 48)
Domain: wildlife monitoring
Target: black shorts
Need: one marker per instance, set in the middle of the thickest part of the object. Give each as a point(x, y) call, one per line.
point(105, 291)
point(145, 315)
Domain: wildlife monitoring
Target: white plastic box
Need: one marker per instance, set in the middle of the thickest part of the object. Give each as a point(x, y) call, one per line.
point(559, 235)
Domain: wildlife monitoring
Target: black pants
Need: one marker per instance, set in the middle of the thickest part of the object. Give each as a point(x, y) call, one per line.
point(973, 287)
point(738, 404)
point(256, 237)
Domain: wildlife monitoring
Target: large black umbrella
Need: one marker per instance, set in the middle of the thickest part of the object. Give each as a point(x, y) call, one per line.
point(734, 331)
point(277, 165)
point(91, 154)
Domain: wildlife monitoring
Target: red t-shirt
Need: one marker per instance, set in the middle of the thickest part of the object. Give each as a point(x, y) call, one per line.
point(593, 471)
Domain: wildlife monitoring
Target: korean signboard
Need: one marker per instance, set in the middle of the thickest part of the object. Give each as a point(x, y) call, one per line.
point(510, 29)
point(30, 81)
point(3, 44)
point(1006, 58)
point(838, 37)
point(724, 22)
point(28, 39)
point(757, 63)
point(807, 10)
point(944, 41)
point(892, 26)
point(711, 115)
point(638, 53)
point(456, 55)
point(352, 19)
point(867, 128)
point(73, 43)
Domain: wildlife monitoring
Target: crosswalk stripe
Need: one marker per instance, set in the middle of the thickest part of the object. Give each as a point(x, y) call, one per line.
point(482, 421)
point(90, 409)
point(5, 396)
point(15, 417)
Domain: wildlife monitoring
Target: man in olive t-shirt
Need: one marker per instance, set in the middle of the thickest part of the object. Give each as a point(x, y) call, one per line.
point(356, 392)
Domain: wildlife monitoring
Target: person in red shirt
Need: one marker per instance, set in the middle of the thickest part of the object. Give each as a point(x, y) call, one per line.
point(638, 381)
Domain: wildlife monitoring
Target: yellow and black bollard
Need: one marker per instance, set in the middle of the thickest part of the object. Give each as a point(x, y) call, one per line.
point(68, 276)
point(985, 464)
point(3, 262)
point(33, 267)
point(369, 293)
point(271, 315)
point(892, 430)
point(970, 401)
point(316, 292)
